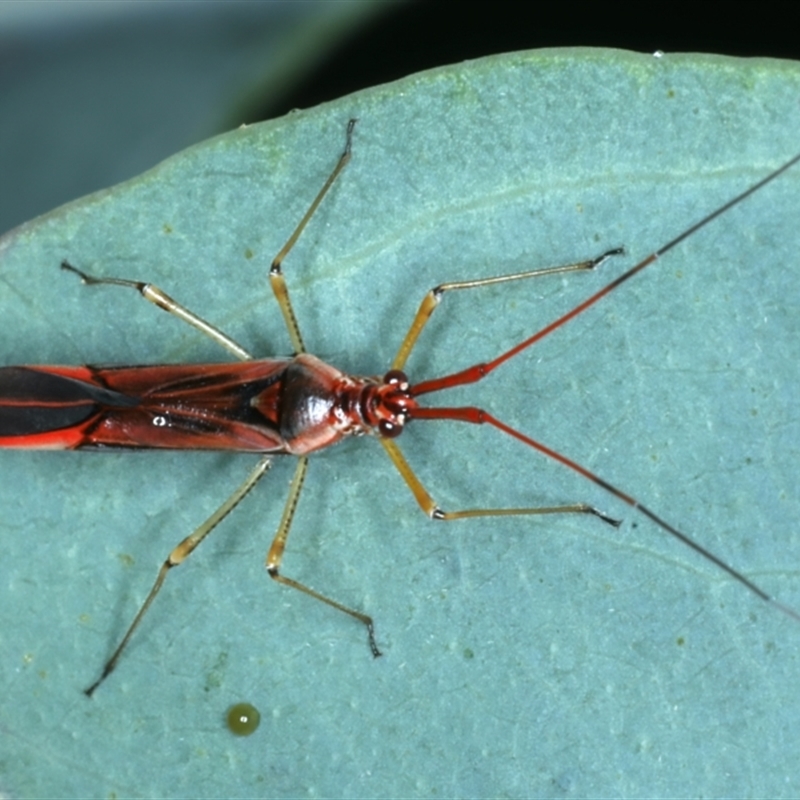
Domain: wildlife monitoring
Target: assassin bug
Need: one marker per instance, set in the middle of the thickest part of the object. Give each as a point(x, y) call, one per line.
point(294, 405)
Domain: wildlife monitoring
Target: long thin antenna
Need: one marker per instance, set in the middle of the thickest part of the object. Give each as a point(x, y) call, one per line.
point(478, 416)
point(479, 371)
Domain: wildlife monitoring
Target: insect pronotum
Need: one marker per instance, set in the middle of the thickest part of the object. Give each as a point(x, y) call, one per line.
point(294, 405)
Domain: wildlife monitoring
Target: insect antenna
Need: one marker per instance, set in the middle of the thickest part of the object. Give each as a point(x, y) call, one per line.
point(480, 371)
point(478, 416)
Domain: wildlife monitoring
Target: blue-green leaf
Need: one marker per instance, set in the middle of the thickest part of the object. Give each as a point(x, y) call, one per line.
point(522, 657)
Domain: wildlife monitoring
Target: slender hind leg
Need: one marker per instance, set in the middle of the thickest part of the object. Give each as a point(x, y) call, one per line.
point(178, 555)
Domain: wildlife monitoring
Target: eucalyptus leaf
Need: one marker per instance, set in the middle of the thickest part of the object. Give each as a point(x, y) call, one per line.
point(522, 657)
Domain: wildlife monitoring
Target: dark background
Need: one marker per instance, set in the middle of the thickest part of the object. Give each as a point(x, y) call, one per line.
point(93, 94)
point(421, 34)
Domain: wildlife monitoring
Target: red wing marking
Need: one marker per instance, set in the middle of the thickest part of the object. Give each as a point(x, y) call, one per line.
point(205, 406)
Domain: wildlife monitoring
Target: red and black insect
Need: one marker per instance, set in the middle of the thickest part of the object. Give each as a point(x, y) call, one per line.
point(295, 405)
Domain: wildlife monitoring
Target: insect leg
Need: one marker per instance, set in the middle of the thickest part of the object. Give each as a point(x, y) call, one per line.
point(429, 506)
point(432, 299)
point(166, 303)
point(477, 416)
point(178, 556)
point(276, 279)
point(275, 556)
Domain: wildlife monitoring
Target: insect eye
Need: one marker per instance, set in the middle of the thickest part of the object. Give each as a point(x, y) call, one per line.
point(396, 377)
point(389, 430)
